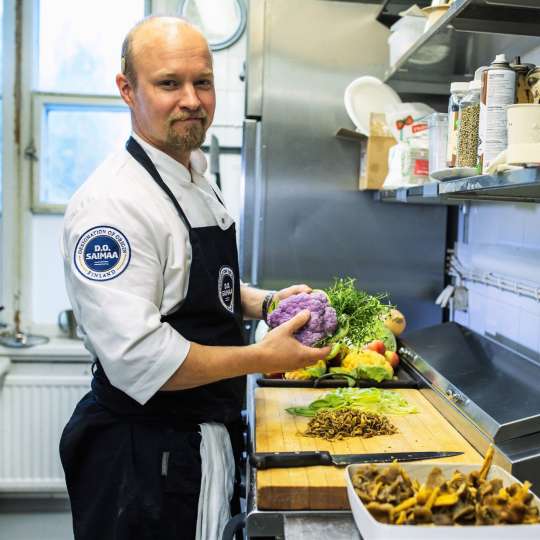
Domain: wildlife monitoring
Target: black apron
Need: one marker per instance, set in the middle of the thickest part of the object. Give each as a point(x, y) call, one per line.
point(133, 471)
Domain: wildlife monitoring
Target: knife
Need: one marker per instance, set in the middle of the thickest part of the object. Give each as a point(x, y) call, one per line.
point(273, 460)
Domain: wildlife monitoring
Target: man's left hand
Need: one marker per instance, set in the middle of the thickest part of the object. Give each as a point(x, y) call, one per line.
point(293, 289)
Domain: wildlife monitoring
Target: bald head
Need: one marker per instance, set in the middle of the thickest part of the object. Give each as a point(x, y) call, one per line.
point(150, 32)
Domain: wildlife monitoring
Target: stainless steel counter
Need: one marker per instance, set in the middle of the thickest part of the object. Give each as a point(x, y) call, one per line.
point(488, 392)
point(321, 527)
point(308, 525)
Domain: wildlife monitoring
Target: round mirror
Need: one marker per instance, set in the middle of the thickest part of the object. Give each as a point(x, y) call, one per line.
point(221, 21)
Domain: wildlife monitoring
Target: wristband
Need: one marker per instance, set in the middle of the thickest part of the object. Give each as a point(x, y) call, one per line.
point(266, 304)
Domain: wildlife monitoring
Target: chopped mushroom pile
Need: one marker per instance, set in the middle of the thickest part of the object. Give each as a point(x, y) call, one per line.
point(393, 498)
point(348, 422)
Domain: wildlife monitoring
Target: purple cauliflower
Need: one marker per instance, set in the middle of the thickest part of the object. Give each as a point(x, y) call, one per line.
point(323, 320)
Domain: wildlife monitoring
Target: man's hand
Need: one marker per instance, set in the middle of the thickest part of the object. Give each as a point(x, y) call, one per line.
point(293, 289)
point(278, 351)
point(281, 351)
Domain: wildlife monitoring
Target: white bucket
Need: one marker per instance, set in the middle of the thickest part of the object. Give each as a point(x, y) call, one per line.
point(523, 134)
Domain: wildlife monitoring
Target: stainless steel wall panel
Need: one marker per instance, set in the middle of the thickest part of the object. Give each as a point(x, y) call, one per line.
point(248, 233)
point(317, 225)
point(254, 64)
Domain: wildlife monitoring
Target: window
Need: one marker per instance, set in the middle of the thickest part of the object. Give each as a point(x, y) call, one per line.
point(221, 21)
point(78, 118)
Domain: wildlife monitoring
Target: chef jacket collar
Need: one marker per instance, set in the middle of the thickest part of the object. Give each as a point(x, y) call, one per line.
point(169, 166)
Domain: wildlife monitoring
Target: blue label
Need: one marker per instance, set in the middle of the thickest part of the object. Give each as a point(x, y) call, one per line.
point(102, 253)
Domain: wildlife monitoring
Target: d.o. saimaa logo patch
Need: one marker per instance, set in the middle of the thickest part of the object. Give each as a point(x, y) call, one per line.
point(226, 288)
point(102, 253)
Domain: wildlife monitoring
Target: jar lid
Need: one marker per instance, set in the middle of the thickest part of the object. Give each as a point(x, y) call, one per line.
point(459, 87)
point(533, 75)
point(524, 68)
point(475, 85)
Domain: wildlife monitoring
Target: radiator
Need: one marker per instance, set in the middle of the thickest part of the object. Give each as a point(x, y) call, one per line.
point(34, 409)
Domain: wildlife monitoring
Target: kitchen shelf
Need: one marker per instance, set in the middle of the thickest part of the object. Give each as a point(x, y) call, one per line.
point(466, 37)
point(390, 9)
point(425, 194)
point(516, 186)
point(350, 135)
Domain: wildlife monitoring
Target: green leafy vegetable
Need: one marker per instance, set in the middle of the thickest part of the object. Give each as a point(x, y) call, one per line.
point(367, 399)
point(388, 338)
point(366, 373)
point(359, 314)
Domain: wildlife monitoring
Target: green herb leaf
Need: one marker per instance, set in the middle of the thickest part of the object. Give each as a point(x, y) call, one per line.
point(359, 314)
point(369, 399)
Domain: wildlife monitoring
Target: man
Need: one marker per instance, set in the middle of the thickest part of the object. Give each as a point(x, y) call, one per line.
point(152, 274)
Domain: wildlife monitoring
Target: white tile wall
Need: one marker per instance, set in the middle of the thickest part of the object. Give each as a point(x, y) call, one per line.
point(491, 310)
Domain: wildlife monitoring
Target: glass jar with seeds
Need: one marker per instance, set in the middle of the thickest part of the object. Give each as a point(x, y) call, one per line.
point(457, 93)
point(523, 92)
point(469, 122)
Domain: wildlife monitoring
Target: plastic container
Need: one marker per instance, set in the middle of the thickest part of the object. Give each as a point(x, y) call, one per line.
point(523, 134)
point(404, 33)
point(468, 126)
point(438, 139)
point(371, 529)
point(457, 93)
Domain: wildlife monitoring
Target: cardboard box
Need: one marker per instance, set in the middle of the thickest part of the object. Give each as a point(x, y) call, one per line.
point(374, 153)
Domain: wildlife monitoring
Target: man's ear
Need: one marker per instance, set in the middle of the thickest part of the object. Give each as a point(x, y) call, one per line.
point(125, 89)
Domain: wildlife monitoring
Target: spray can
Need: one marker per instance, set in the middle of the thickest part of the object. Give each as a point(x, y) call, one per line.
point(498, 91)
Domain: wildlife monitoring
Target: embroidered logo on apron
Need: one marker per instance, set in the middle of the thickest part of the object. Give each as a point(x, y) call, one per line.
point(102, 253)
point(226, 288)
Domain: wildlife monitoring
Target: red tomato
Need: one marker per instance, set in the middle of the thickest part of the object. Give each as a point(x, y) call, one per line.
point(377, 345)
point(392, 358)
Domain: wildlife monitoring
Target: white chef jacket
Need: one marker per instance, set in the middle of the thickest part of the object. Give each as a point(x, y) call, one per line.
point(120, 318)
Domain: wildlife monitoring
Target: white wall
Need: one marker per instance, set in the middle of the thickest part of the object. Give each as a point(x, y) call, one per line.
point(47, 282)
point(508, 226)
point(513, 231)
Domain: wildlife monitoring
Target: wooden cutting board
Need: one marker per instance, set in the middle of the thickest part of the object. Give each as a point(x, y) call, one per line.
point(323, 488)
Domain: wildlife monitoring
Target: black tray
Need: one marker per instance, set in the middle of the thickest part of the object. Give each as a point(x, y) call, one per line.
point(402, 379)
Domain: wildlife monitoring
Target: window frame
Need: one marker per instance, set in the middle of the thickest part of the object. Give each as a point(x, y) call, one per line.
point(34, 150)
point(33, 143)
point(20, 53)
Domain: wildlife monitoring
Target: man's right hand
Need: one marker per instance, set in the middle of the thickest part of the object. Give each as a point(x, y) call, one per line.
point(278, 351)
point(281, 351)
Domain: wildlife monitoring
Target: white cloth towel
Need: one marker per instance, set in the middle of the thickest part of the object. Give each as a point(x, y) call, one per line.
point(217, 482)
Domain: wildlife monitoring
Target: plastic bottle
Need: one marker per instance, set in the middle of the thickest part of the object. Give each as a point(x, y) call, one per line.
point(498, 91)
point(457, 92)
point(438, 142)
point(469, 123)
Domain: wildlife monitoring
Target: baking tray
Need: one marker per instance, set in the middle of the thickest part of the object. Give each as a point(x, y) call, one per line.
point(402, 379)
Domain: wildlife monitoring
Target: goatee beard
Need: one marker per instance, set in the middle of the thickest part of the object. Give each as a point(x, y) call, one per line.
point(190, 140)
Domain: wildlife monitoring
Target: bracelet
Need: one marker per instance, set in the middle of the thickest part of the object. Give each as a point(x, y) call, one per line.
point(266, 304)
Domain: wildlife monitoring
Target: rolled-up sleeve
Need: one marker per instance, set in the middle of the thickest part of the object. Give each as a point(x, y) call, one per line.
point(120, 315)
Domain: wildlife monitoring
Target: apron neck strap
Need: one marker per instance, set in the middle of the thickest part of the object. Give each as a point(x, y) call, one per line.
point(138, 153)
